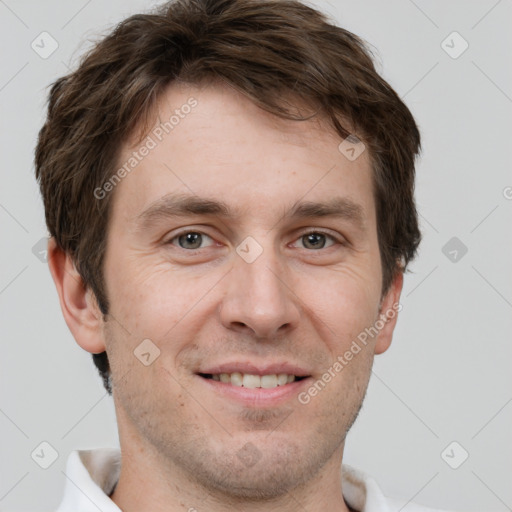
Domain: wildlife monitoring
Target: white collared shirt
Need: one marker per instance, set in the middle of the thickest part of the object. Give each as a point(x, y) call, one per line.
point(91, 476)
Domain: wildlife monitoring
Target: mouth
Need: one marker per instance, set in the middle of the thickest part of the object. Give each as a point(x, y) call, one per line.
point(253, 381)
point(254, 390)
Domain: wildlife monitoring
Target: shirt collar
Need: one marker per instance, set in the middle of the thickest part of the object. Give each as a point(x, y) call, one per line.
point(91, 476)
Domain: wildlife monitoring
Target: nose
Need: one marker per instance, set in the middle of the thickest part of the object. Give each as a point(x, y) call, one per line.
point(258, 299)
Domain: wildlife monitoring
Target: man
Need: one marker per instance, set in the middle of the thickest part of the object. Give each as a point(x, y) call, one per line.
point(228, 185)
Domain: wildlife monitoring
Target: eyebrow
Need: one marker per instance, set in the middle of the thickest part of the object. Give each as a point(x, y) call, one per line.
point(183, 205)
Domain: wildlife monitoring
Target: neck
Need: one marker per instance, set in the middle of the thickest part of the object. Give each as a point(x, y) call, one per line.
point(147, 482)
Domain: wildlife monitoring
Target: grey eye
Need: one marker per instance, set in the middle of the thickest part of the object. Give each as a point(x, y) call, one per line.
point(315, 240)
point(190, 240)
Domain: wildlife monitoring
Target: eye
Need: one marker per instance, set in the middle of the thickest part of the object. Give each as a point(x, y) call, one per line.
point(190, 240)
point(316, 240)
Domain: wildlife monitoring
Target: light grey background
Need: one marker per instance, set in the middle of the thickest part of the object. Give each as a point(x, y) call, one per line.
point(447, 375)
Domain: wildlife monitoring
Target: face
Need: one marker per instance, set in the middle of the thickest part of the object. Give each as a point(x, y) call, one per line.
point(243, 249)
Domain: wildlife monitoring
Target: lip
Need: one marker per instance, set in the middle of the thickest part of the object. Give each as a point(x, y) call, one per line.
point(256, 397)
point(257, 369)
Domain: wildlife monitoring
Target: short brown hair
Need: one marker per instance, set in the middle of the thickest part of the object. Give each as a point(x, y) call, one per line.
point(268, 50)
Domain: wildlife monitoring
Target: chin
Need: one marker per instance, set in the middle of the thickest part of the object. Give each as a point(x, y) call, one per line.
point(254, 474)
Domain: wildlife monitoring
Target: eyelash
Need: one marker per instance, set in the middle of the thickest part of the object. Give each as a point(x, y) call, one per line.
point(310, 232)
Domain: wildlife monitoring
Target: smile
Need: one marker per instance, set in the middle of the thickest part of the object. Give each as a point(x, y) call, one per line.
point(252, 390)
point(252, 381)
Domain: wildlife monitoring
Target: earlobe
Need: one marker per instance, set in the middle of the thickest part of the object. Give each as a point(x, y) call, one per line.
point(77, 302)
point(389, 313)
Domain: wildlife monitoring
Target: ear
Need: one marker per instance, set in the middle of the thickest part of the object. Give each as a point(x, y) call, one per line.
point(78, 303)
point(390, 306)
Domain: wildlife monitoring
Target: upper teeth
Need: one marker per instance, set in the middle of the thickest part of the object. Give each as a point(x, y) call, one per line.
point(254, 381)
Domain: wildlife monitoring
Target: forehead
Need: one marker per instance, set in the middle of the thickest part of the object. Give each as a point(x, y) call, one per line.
point(211, 141)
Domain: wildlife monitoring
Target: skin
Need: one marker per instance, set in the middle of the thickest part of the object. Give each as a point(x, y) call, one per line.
point(295, 302)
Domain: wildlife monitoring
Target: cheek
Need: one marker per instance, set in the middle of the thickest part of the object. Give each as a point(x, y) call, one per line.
point(151, 296)
point(345, 301)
